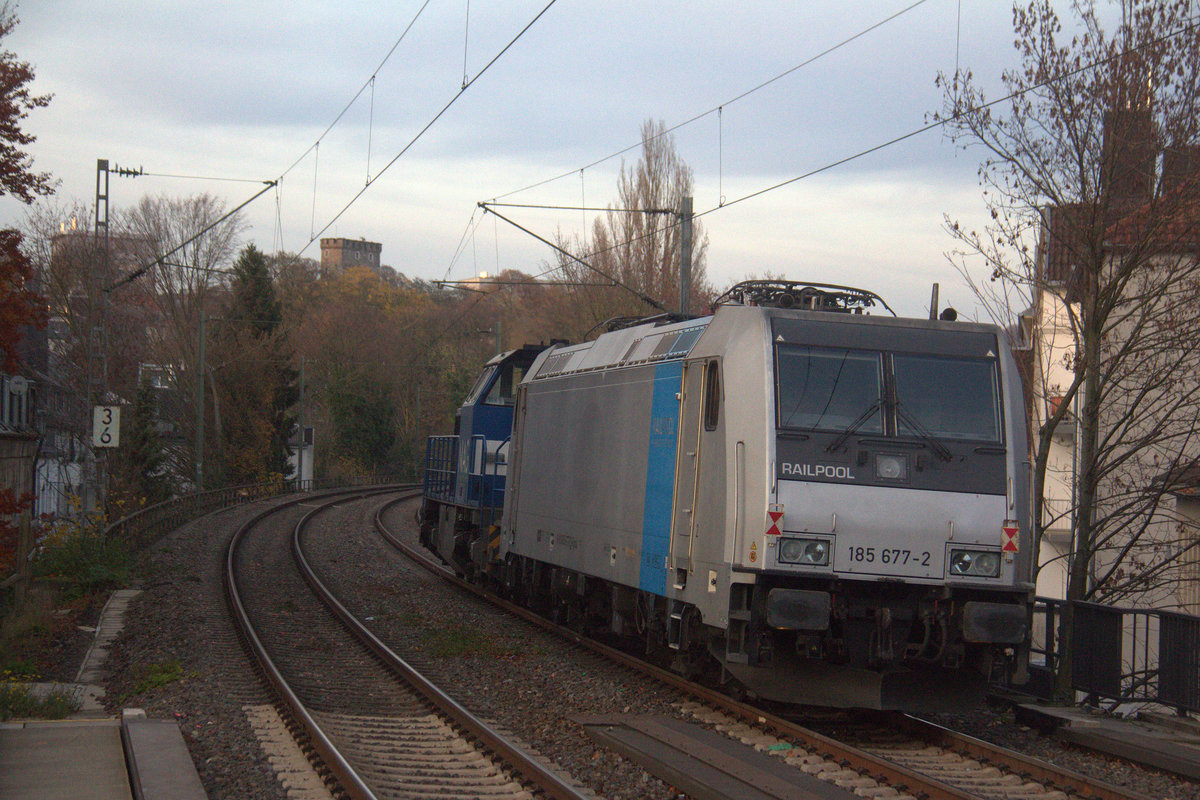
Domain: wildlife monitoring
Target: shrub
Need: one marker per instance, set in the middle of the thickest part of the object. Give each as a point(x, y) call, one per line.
point(16, 700)
point(82, 561)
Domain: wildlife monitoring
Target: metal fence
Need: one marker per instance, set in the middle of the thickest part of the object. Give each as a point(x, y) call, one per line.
point(1122, 655)
point(484, 481)
point(144, 527)
point(441, 464)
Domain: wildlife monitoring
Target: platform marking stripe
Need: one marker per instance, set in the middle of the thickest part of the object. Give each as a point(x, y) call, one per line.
point(660, 477)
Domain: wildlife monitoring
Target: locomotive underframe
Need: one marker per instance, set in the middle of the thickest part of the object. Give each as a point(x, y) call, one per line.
point(855, 643)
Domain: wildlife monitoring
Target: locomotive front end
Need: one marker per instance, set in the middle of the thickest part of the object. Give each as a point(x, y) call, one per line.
point(893, 562)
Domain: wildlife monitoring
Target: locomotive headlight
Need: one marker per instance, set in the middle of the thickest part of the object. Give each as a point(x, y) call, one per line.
point(890, 466)
point(809, 552)
point(975, 563)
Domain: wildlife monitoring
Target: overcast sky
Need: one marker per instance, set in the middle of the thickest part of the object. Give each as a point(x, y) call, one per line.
point(244, 89)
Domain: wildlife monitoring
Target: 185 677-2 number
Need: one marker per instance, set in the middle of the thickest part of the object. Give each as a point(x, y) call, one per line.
point(888, 555)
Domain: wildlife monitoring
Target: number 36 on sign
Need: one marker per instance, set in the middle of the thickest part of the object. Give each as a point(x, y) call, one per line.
point(106, 426)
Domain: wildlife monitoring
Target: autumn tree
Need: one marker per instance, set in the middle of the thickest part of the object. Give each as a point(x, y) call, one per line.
point(372, 354)
point(1090, 176)
point(636, 242)
point(20, 304)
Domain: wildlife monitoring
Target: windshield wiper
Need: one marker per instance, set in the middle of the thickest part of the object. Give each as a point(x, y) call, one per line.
point(921, 431)
point(852, 427)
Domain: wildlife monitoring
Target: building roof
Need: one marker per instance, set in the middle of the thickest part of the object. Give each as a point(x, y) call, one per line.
point(1167, 224)
point(1182, 481)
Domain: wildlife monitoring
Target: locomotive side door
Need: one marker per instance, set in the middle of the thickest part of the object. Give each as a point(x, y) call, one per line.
point(687, 468)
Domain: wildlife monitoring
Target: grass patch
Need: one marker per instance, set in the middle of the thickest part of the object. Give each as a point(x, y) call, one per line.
point(156, 676)
point(29, 635)
point(17, 701)
point(461, 643)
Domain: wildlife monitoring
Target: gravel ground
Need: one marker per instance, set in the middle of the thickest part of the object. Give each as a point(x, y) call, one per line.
point(177, 658)
point(513, 675)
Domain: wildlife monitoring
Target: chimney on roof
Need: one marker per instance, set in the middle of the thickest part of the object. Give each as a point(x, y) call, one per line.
point(1181, 164)
point(1130, 154)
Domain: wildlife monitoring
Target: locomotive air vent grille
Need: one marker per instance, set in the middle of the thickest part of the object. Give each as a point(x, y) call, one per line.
point(554, 365)
point(683, 343)
point(665, 345)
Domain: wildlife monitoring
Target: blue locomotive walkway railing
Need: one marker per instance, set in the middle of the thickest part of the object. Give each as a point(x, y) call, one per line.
point(484, 482)
point(1125, 655)
point(441, 464)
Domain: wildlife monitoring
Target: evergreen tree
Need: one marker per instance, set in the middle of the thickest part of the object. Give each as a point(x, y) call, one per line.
point(138, 477)
point(254, 297)
point(259, 385)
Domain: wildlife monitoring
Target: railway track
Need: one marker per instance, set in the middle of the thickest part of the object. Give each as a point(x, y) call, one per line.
point(896, 757)
point(376, 727)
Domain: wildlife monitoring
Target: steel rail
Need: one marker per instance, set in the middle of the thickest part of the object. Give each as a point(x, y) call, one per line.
point(546, 781)
point(1073, 783)
point(347, 777)
point(893, 774)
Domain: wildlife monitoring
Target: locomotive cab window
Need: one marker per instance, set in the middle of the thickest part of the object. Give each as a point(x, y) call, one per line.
point(712, 396)
point(481, 383)
point(504, 390)
point(827, 388)
point(948, 397)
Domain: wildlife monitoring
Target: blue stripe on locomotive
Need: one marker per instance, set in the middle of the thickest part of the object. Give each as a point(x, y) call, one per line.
point(660, 477)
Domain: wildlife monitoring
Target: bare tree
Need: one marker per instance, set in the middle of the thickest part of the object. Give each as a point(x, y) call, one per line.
point(636, 241)
point(1099, 243)
point(176, 293)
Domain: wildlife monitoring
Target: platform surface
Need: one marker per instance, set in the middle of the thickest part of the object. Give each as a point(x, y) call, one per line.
point(69, 760)
point(1156, 740)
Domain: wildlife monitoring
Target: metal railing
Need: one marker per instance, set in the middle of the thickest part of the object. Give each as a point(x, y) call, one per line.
point(441, 459)
point(145, 526)
point(484, 487)
point(1123, 655)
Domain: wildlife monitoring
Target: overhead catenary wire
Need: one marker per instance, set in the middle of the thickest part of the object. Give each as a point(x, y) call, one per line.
point(421, 133)
point(142, 270)
point(942, 122)
point(199, 177)
point(137, 273)
point(641, 295)
point(469, 230)
point(937, 123)
point(718, 108)
point(358, 94)
point(645, 298)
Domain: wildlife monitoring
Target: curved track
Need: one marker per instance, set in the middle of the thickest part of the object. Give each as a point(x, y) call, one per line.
point(377, 727)
point(899, 756)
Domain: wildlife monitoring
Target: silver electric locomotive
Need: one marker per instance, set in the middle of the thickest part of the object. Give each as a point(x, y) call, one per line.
point(810, 504)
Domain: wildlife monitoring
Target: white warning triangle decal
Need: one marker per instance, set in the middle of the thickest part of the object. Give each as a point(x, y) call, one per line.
point(779, 338)
point(990, 354)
